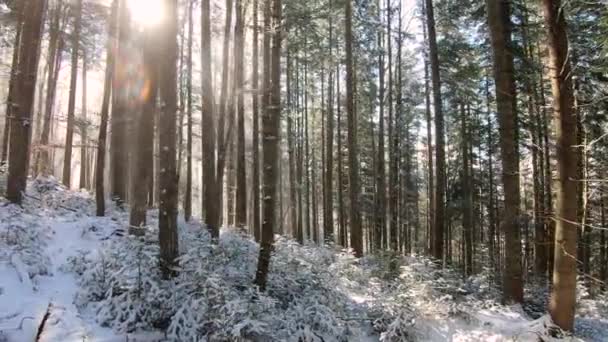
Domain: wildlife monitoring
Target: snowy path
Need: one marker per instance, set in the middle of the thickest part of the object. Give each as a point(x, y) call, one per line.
point(24, 306)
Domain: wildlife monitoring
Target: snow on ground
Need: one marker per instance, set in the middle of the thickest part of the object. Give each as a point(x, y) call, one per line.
point(86, 281)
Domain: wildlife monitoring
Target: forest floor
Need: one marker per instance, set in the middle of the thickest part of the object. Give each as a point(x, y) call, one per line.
point(66, 275)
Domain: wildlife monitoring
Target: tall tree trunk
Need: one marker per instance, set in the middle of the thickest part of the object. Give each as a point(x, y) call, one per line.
point(328, 207)
point(603, 244)
point(10, 100)
point(356, 233)
point(438, 221)
point(241, 167)
point(270, 132)
point(380, 229)
point(54, 61)
point(144, 143)
point(429, 140)
point(84, 160)
point(223, 108)
point(167, 218)
point(467, 217)
point(211, 185)
point(500, 34)
point(32, 19)
point(105, 109)
point(188, 191)
point(342, 232)
point(69, 136)
point(118, 130)
point(255, 134)
point(563, 292)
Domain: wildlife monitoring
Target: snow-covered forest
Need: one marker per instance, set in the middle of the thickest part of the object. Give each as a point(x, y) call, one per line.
point(323, 170)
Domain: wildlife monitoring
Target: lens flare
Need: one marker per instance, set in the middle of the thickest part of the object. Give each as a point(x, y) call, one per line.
point(147, 13)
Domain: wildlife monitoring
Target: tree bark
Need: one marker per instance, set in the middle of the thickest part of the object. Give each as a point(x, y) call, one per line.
point(241, 167)
point(54, 61)
point(69, 136)
point(84, 160)
point(500, 34)
point(144, 140)
point(270, 131)
point(167, 218)
point(188, 191)
point(563, 293)
point(118, 131)
point(211, 186)
point(255, 132)
point(105, 109)
point(32, 19)
point(356, 232)
point(380, 229)
point(10, 100)
point(438, 221)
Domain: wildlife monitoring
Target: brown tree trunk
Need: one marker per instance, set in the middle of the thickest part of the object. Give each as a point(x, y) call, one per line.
point(328, 204)
point(270, 143)
point(380, 227)
point(563, 292)
point(188, 192)
point(54, 61)
point(255, 134)
point(500, 33)
point(167, 218)
point(69, 136)
point(356, 233)
point(84, 160)
point(438, 221)
point(105, 109)
point(241, 167)
point(32, 19)
point(211, 187)
point(144, 143)
point(10, 100)
point(429, 140)
point(467, 217)
point(118, 131)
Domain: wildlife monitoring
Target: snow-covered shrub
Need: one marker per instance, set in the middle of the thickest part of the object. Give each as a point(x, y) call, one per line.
point(23, 237)
point(213, 297)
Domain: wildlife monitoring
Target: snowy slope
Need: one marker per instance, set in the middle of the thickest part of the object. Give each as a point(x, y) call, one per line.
point(95, 284)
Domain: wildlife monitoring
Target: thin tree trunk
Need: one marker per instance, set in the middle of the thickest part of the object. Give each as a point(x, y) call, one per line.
point(105, 108)
point(356, 236)
point(380, 227)
point(69, 136)
point(211, 184)
point(241, 167)
point(54, 61)
point(563, 292)
point(255, 138)
point(188, 191)
point(467, 219)
point(10, 100)
point(84, 160)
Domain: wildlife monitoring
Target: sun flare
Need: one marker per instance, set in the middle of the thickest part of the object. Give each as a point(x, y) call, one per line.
point(147, 13)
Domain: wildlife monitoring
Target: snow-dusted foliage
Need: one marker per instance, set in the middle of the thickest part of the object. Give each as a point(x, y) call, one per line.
point(213, 297)
point(97, 283)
